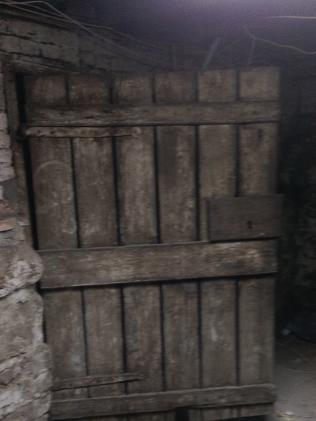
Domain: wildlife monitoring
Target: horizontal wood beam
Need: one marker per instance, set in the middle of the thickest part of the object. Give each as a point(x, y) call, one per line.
point(162, 401)
point(79, 382)
point(196, 113)
point(80, 132)
point(162, 262)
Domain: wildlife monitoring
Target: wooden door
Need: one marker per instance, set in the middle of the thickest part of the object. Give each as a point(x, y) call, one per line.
point(146, 314)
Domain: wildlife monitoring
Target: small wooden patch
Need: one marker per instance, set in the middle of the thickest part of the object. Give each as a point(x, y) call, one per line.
point(243, 218)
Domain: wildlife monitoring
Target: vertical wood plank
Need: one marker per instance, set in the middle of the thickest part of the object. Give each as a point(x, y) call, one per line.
point(104, 336)
point(261, 83)
point(217, 171)
point(95, 192)
point(258, 158)
point(53, 193)
point(217, 85)
point(175, 87)
point(218, 333)
point(180, 304)
point(88, 90)
point(136, 185)
point(64, 330)
point(143, 339)
point(56, 228)
point(177, 183)
point(46, 89)
point(94, 174)
point(138, 224)
point(132, 90)
point(256, 325)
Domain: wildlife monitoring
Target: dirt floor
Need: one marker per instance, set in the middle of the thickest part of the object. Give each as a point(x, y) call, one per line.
point(296, 381)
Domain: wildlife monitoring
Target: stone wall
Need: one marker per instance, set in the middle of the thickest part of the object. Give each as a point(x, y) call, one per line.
point(25, 378)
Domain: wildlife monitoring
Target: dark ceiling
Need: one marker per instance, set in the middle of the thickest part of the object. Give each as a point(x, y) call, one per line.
point(199, 21)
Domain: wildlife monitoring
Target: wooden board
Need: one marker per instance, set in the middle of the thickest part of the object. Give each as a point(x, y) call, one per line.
point(136, 188)
point(162, 401)
point(217, 85)
point(86, 381)
point(258, 159)
point(217, 167)
point(181, 326)
point(256, 330)
point(218, 309)
point(69, 268)
point(104, 336)
point(65, 336)
point(175, 87)
point(54, 207)
point(143, 337)
point(177, 183)
point(56, 226)
point(198, 113)
point(96, 207)
point(259, 83)
point(135, 163)
point(133, 89)
point(62, 133)
point(88, 90)
point(243, 218)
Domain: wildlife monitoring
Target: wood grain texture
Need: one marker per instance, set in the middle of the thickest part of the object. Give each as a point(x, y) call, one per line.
point(104, 336)
point(256, 330)
point(73, 382)
point(180, 306)
point(143, 337)
point(175, 87)
point(177, 188)
point(138, 224)
point(258, 158)
point(132, 90)
point(218, 310)
point(56, 226)
point(244, 218)
point(217, 169)
point(64, 331)
point(140, 264)
point(199, 113)
point(53, 193)
point(217, 85)
point(94, 174)
point(88, 90)
point(136, 187)
point(46, 90)
point(261, 83)
point(62, 133)
point(162, 401)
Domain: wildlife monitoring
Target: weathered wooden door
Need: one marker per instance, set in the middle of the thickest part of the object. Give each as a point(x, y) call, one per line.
point(149, 308)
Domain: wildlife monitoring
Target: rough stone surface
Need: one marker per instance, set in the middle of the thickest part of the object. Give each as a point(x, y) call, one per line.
point(25, 367)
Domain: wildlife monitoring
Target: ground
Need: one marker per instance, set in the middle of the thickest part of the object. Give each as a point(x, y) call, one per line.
point(296, 381)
